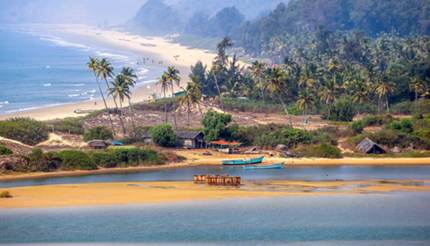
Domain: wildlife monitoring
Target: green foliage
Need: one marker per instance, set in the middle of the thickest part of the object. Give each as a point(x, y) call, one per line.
point(320, 151)
point(5, 194)
point(158, 105)
point(215, 125)
point(342, 110)
point(163, 135)
point(247, 105)
point(408, 107)
point(25, 130)
point(358, 126)
point(5, 150)
point(404, 125)
point(136, 135)
point(70, 125)
point(98, 133)
point(38, 161)
point(74, 160)
point(117, 157)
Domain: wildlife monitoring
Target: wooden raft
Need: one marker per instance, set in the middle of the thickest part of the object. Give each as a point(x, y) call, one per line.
point(217, 180)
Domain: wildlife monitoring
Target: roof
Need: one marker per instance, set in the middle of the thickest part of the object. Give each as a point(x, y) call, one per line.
point(366, 145)
point(187, 134)
point(226, 143)
point(97, 143)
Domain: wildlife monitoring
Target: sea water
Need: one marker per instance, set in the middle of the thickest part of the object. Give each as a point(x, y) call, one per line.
point(38, 70)
point(372, 219)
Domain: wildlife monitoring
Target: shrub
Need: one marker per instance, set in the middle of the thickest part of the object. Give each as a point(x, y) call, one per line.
point(342, 110)
point(75, 160)
point(158, 105)
point(99, 133)
point(38, 161)
point(215, 125)
point(404, 125)
point(358, 127)
point(5, 194)
point(5, 151)
point(409, 107)
point(136, 135)
point(321, 151)
point(247, 105)
point(126, 156)
point(288, 136)
point(163, 135)
point(68, 125)
point(25, 130)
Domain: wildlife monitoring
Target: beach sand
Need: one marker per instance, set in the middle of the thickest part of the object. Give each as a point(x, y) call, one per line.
point(156, 48)
point(162, 192)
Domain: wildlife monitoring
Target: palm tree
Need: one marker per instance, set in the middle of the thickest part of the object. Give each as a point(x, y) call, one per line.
point(164, 83)
point(328, 94)
point(383, 90)
point(130, 78)
point(257, 72)
point(418, 87)
point(361, 92)
point(192, 97)
point(119, 90)
point(276, 79)
point(306, 101)
point(93, 65)
point(172, 75)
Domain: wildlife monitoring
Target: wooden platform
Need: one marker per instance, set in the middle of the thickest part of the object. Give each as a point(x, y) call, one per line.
point(217, 180)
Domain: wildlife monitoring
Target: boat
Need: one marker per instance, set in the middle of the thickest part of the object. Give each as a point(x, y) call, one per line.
point(273, 166)
point(251, 161)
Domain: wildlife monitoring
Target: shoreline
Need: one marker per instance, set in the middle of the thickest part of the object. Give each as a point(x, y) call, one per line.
point(157, 48)
point(303, 162)
point(131, 193)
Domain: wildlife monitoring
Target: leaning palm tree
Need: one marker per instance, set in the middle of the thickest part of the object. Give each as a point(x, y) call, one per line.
point(383, 90)
point(418, 87)
point(328, 94)
point(276, 83)
point(172, 75)
point(93, 66)
point(192, 97)
point(306, 101)
point(130, 78)
point(119, 90)
point(164, 83)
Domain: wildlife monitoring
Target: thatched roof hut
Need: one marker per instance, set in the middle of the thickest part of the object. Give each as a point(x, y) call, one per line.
point(369, 147)
point(98, 144)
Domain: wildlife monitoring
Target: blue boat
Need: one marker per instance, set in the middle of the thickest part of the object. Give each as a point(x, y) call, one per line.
point(273, 166)
point(251, 161)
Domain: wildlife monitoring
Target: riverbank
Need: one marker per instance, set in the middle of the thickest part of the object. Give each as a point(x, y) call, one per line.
point(158, 50)
point(103, 194)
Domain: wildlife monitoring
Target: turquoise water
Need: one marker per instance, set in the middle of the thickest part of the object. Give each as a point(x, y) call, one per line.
point(40, 70)
point(291, 173)
point(392, 219)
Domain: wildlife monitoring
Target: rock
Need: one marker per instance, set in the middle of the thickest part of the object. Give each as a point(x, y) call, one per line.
point(281, 147)
point(396, 150)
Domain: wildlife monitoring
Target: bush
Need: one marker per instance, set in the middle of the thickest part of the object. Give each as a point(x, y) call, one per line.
point(404, 125)
point(74, 160)
point(5, 151)
point(215, 125)
point(409, 107)
point(136, 135)
point(321, 151)
point(68, 125)
point(163, 135)
point(342, 110)
point(247, 105)
point(158, 105)
point(288, 136)
point(5, 194)
point(126, 156)
point(99, 133)
point(358, 127)
point(25, 130)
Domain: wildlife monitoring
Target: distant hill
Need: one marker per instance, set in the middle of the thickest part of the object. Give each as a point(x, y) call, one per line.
point(370, 17)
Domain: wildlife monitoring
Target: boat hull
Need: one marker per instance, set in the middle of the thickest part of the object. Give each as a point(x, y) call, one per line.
point(273, 166)
point(252, 161)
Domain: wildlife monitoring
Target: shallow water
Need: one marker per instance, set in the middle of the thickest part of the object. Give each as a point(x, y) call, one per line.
point(390, 219)
point(290, 173)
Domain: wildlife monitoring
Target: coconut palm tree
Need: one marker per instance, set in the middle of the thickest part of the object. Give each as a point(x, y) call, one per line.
point(93, 65)
point(418, 87)
point(276, 83)
point(172, 75)
point(192, 97)
point(383, 90)
point(130, 78)
point(257, 73)
point(306, 101)
point(328, 94)
point(119, 90)
point(164, 84)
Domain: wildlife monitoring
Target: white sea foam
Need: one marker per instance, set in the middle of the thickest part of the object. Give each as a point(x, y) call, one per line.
point(111, 55)
point(64, 43)
point(4, 103)
point(77, 85)
point(47, 85)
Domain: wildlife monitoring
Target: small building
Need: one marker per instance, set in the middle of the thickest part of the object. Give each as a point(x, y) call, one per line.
point(147, 139)
point(191, 139)
point(369, 147)
point(117, 143)
point(98, 144)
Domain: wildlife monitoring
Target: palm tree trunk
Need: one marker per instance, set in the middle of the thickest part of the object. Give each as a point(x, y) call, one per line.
point(118, 110)
point(286, 111)
point(219, 93)
point(165, 107)
point(105, 103)
point(174, 108)
point(130, 106)
point(416, 102)
point(386, 102)
point(188, 115)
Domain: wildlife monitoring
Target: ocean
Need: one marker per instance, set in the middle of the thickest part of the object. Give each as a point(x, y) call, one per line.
point(39, 70)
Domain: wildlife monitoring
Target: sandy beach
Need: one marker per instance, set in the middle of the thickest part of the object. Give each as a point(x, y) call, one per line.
point(156, 48)
point(163, 192)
